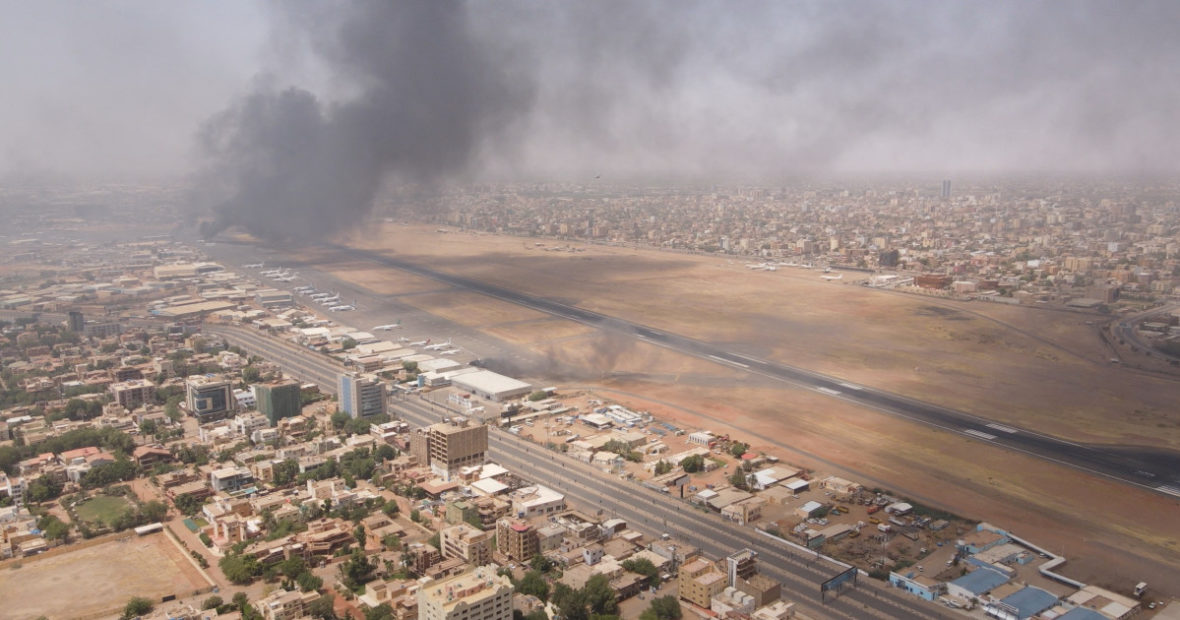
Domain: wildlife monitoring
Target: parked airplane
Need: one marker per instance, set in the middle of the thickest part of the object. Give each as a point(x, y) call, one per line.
point(342, 308)
point(290, 278)
point(419, 343)
point(450, 352)
point(386, 328)
point(319, 296)
point(440, 346)
point(330, 300)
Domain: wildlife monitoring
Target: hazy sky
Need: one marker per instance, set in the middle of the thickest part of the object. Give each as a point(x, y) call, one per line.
point(126, 90)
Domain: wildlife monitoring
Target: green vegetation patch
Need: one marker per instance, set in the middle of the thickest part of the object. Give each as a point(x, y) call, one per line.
point(103, 509)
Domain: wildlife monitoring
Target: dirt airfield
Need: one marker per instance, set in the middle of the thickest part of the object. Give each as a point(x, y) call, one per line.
point(1043, 370)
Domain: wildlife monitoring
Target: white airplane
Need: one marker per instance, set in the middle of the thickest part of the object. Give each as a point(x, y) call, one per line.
point(290, 278)
point(330, 300)
point(318, 296)
point(439, 346)
point(255, 266)
point(386, 328)
point(272, 272)
point(342, 308)
point(304, 289)
point(419, 343)
point(450, 352)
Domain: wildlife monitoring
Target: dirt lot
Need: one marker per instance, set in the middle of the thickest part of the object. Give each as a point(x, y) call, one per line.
point(89, 581)
point(1040, 369)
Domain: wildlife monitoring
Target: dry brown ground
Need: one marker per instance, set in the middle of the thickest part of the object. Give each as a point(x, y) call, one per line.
point(96, 579)
point(1039, 369)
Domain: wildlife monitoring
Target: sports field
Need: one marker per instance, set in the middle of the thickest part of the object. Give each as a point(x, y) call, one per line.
point(94, 580)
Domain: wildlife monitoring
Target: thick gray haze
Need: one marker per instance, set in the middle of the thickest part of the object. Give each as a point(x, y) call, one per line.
point(310, 107)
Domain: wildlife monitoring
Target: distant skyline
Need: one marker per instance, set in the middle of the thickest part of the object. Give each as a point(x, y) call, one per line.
point(125, 91)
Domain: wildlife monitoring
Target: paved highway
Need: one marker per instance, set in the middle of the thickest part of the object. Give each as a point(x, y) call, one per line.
point(1149, 468)
point(653, 513)
point(642, 508)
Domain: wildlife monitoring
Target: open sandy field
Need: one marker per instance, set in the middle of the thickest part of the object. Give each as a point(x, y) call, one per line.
point(96, 580)
point(1040, 369)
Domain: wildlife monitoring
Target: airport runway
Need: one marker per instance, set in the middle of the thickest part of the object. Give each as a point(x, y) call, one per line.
point(1149, 468)
point(1154, 469)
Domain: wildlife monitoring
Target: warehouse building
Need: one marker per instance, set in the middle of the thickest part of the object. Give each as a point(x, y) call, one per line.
point(492, 386)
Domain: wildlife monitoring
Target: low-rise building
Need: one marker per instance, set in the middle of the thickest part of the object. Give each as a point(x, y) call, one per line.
point(480, 594)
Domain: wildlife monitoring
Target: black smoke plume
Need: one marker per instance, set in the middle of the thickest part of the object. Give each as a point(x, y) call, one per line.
point(284, 164)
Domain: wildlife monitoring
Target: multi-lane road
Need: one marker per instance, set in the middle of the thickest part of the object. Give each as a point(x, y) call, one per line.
point(800, 572)
point(1150, 468)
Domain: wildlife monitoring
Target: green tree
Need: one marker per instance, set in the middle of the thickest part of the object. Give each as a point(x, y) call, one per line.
point(663, 467)
point(136, 607)
point(53, 528)
point(600, 596)
point(339, 419)
point(250, 374)
point(360, 535)
point(292, 567)
point(308, 582)
point(348, 343)
point(662, 608)
point(571, 603)
point(738, 479)
point(643, 566)
point(322, 608)
point(240, 569)
point(285, 472)
point(738, 448)
point(154, 510)
point(534, 583)
point(43, 489)
point(213, 602)
point(693, 464)
point(357, 570)
point(541, 563)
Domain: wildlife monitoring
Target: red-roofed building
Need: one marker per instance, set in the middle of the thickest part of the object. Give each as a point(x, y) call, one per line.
point(517, 540)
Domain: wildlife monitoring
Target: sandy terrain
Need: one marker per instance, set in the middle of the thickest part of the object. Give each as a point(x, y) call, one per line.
point(1040, 369)
point(96, 579)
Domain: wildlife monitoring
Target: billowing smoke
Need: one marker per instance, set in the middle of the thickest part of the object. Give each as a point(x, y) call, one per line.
point(426, 95)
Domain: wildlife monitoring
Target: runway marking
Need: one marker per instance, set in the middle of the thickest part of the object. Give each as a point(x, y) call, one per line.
point(1170, 490)
point(1002, 428)
point(851, 386)
point(746, 357)
point(828, 391)
point(726, 361)
point(979, 434)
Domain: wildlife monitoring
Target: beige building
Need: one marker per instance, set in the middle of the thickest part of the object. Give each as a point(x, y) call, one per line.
point(450, 446)
point(133, 394)
point(517, 540)
point(284, 605)
point(700, 580)
point(471, 544)
point(480, 594)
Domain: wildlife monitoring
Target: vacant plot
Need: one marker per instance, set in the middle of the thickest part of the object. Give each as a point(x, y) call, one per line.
point(98, 579)
point(102, 509)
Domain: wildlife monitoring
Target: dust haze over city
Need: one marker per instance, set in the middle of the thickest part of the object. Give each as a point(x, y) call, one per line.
point(636, 309)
